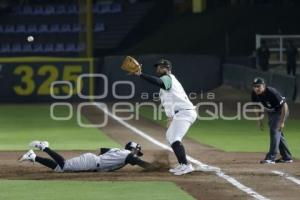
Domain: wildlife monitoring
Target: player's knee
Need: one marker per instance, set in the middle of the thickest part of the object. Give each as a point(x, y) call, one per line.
point(169, 140)
point(172, 140)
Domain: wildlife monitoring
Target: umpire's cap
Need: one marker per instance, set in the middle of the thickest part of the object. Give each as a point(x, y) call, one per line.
point(164, 62)
point(134, 146)
point(258, 81)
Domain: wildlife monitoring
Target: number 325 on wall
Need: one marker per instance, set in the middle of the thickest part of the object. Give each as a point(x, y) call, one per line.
point(30, 79)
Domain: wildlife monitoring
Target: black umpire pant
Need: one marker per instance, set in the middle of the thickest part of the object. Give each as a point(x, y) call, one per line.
point(277, 140)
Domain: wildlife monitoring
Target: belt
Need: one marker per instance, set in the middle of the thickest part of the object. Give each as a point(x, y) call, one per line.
point(177, 111)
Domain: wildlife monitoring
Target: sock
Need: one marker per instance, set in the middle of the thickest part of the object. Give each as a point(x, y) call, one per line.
point(46, 162)
point(55, 156)
point(179, 151)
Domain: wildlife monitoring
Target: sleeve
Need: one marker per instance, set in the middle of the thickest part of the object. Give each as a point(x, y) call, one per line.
point(276, 96)
point(134, 160)
point(167, 81)
point(153, 80)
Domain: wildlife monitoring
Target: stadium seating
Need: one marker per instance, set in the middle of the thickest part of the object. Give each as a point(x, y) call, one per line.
point(16, 47)
point(71, 47)
point(49, 48)
point(27, 48)
point(99, 27)
point(43, 28)
point(32, 28)
point(57, 27)
point(21, 28)
point(62, 9)
point(65, 28)
point(41, 48)
point(38, 48)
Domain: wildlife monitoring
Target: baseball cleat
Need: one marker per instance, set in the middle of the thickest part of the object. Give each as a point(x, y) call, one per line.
point(175, 169)
point(267, 162)
point(41, 145)
point(284, 160)
point(29, 156)
point(184, 169)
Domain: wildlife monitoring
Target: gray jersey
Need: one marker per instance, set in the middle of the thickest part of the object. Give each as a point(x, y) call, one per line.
point(113, 159)
point(109, 161)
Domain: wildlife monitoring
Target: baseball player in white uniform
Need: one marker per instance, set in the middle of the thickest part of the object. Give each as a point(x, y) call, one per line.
point(109, 159)
point(179, 109)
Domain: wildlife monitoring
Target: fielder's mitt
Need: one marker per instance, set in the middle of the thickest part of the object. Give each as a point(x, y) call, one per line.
point(130, 65)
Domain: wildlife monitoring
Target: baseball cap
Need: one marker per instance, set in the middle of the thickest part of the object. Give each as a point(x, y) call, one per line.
point(258, 81)
point(163, 62)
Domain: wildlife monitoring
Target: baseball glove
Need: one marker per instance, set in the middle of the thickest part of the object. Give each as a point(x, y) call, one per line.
point(130, 65)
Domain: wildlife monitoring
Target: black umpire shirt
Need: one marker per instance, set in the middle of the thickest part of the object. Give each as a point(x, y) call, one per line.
point(271, 99)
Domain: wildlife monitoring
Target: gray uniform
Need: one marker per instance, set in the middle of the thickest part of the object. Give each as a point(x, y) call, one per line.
point(111, 160)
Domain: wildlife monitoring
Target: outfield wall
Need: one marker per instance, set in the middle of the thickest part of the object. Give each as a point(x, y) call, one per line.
point(241, 77)
point(28, 79)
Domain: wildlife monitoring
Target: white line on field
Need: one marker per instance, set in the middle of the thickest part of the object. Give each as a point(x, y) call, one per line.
point(201, 166)
point(287, 176)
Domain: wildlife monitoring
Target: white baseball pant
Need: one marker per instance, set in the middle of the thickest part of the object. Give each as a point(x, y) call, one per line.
point(180, 124)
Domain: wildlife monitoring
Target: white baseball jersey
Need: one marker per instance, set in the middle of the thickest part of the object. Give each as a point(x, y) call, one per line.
point(111, 160)
point(177, 106)
point(175, 98)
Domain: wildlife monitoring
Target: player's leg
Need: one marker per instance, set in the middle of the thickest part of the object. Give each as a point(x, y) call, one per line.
point(275, 136)
point(44, 146)
point(177, 130)
point(175, 133)
point(284, 149)
point(55, 156)
point(32, 157)
point(46, 162)
point(179, 151)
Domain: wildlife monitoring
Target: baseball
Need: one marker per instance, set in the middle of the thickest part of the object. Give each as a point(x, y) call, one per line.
point(30, 38)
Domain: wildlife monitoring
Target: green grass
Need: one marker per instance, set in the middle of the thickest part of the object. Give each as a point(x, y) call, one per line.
point(20, 124)
point(237, 135)
point(70, 190)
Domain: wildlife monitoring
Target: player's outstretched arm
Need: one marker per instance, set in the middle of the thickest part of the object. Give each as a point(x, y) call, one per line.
point(153, 80)
point(284, 111)
point(134, 160)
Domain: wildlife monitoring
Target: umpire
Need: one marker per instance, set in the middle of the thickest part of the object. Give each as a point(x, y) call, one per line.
point(277, 110)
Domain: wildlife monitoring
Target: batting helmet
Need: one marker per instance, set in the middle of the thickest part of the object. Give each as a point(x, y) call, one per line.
point(137, 148)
